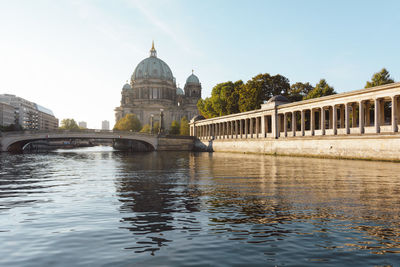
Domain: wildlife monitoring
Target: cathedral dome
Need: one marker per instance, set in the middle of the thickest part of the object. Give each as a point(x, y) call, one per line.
point(192, 79)
point(127, 86)
point(179, 91)
point(152, 67)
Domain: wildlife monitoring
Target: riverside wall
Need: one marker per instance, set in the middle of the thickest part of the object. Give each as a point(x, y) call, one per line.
point(382, 147)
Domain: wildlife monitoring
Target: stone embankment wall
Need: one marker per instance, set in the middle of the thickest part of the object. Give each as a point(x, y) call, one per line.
point(175, 143)
point(382, 147)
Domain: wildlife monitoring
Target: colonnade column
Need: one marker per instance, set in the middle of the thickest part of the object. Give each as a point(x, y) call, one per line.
point(303, 117)
point(334, 120)
point(257, 126)
point(322, 120)
point(342, 114)
point(312, 121)
point(361, 116)
point(294, 123)
point(251, 121)
point(347, 118)
point(367, 113)
point(246, 128)
point(377, 116)
point(285, 124)
point(354, 115)
point(236, 129)
point(263, 126)
point(394, 114)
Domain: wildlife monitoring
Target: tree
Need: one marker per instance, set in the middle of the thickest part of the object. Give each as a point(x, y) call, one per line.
point(321, 89)
point(156, 127)
point(260, 88)
point(298, 91)
point(175, 127)
point(11, 128)
point(129, 122)
point(224, 100)
point(69, 124)
point(145, 129)
point(379, 78)
point(184, 128)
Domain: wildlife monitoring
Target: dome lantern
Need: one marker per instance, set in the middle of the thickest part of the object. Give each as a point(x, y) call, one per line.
point(153, 52)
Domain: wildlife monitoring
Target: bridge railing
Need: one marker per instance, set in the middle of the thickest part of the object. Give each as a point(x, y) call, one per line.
point(29, 132)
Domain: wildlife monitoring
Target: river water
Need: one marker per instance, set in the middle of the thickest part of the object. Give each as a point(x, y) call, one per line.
point(96, 206)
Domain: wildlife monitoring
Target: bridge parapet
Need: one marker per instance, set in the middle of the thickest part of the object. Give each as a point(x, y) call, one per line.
point(23, 137)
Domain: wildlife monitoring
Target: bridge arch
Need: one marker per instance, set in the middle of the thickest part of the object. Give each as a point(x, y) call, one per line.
point(14, 141)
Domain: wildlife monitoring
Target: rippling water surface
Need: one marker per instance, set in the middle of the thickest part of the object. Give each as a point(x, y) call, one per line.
point(96, 206)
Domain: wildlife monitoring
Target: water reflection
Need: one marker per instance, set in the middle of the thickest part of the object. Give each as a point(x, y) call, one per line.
point(273, 192)
point(155, 196)
point(199, 208)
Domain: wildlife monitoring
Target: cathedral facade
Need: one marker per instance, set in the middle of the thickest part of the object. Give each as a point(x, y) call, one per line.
point(153, 89)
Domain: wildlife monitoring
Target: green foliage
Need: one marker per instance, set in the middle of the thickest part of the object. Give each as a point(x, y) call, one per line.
point(128, 123)
point(262, 87)
point(69, 124)
point(229, 98)
point(156, 127)
point(184, 127)
point(321, 89)
point(224, 100)
point(175, 127)
point(10, 128)
point(379, 78)
point(299, 91)
point(145, 129)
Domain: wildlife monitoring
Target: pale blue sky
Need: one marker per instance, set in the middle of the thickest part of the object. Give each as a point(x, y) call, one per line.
point(74, 56)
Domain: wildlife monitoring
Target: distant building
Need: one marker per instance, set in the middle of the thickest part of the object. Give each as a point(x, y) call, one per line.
point(29, 115)
point(105, 125)
point(7, 114)
point(82, 124)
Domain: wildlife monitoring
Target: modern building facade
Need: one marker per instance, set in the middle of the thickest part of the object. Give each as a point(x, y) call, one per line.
point(7, 114)
point(82, 124)
point(29, 115)
point(105, 125)
point(153, 88)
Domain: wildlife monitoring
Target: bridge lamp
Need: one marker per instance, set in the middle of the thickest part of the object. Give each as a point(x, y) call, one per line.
point(161, 130)
point(151, 123)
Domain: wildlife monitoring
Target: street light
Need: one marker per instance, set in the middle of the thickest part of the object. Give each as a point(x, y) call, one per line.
point(161, 130)
point(151, 123)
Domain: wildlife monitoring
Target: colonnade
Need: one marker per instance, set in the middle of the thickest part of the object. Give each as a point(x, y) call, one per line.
point(342, 114)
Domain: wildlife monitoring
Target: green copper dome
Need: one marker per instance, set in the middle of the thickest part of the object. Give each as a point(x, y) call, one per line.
point(192, 79)
point(152, 68)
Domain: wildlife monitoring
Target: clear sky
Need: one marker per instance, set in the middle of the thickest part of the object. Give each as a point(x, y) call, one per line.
point(74, 56)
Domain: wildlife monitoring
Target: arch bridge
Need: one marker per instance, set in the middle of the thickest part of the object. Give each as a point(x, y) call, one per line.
point(15, 141)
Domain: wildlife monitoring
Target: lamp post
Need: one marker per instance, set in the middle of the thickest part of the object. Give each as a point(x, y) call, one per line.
point(151, 123)
point(161, 130)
